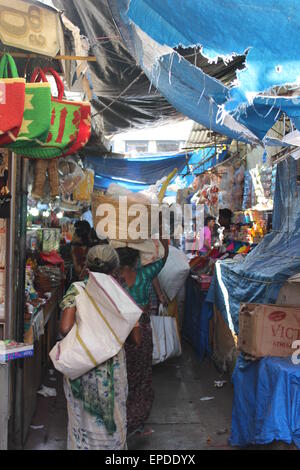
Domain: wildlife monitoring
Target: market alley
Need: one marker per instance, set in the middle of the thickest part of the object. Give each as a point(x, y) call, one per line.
point(179, 418)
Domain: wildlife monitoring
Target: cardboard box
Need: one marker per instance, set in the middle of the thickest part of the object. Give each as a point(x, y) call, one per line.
point(268, 330)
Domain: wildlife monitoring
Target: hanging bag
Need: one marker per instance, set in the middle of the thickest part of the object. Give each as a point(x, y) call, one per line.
point(165, 336)
point(36, 118)
point(64, 122)
point(12, 100)
point(81, 119)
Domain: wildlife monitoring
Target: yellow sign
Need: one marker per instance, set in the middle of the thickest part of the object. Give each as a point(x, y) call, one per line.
point(29, 27)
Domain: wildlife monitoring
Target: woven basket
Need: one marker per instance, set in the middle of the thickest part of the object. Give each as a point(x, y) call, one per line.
point(121, 223)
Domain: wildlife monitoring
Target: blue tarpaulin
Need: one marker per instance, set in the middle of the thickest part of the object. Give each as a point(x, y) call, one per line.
point(151, 28)
point(137, 174)
point(266, 404)
point(276, 258)
point(268, 30)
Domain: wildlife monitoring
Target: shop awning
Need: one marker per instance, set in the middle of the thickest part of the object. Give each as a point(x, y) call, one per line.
point(269, 30)
point(151, 31)
point(134, 173)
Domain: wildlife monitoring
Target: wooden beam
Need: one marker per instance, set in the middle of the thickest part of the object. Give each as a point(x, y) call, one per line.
point(25, 55)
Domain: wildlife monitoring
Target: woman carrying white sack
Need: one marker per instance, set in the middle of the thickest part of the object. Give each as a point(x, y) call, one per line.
point(96, 400)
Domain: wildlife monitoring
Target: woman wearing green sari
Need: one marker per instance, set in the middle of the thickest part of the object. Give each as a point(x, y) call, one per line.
point(96, 400)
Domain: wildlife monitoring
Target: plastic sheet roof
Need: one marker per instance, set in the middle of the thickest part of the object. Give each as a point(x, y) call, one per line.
point(123, 95)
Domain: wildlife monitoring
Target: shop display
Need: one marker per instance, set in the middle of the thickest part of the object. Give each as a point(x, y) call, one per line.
point(249, 226)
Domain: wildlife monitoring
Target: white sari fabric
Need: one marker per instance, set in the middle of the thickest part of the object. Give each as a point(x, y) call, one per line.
point(97, 410)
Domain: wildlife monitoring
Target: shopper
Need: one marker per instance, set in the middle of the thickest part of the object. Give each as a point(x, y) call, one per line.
point(137, 280)
point(207, 236)
point(96, 400)
point(79, 247)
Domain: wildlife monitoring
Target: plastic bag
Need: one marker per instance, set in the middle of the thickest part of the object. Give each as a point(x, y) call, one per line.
point(71, 175)
point(84, 189)
point(165, 336)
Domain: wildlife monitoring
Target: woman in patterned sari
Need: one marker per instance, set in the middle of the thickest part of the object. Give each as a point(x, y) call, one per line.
point(96, 400)
point(137, 280)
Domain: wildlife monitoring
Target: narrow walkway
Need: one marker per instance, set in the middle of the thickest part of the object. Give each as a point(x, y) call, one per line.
point(180, 419)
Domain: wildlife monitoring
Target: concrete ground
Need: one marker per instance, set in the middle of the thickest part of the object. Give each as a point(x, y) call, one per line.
point(180, 420)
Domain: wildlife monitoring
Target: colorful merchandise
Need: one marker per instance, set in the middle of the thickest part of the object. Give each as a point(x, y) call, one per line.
point(36, 117)
point(64, 124)
point(12, 100)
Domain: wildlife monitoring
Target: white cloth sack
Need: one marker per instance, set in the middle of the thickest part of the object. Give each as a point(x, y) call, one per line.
point(174, 273)
point(105, 316)
point(165, 336)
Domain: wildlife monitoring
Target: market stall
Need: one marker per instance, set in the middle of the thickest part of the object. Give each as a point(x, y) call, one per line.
point(39, 122)
point(242, 209)
point(268, 276)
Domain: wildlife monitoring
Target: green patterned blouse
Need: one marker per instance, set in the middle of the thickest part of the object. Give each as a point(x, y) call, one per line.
point(140, 291)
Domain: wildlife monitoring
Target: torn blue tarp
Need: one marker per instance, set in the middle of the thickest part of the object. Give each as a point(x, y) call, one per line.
point(259, 278)
point(188, 88)
point(192, 92)
point(266, 403)
point(135, 173)
point(268, 30)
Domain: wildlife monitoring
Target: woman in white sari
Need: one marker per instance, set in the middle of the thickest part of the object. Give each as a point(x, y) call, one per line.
point(96, 400)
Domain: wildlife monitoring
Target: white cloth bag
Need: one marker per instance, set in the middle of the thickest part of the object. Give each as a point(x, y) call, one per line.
point(105, 316)
point(175, 272)
point(165, 336)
